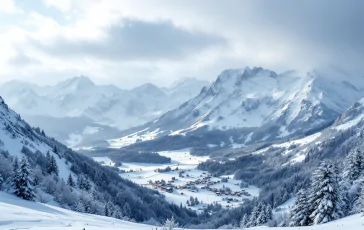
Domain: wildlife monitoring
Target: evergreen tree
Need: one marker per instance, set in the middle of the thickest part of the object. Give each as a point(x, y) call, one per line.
point(1, 180)
point(359, 204)
point(254, 216)
point(22, 181)
point(127, 210)
point(244, 222)
point(55, 149)
point(79, 207)
point(300, 213)
point(353, 166)
point(52, 166)
point(192, 201)
point(325, 197)
point(269, 212)
point(71, 182)
point(262, 218)
point(196, 201)
point(118, 214)
point(106, 211)
point(16, 164)
point(170, 224)
point(83, 183)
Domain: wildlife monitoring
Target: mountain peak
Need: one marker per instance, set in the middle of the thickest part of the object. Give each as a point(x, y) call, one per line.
point(149, 89)
point(187, 82)
point(80, 82)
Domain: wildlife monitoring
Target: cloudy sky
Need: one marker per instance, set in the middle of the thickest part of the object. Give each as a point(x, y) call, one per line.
point(131, 42)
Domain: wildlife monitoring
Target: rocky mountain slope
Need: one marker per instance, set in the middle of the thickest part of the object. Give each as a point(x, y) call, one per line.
point(261, 104)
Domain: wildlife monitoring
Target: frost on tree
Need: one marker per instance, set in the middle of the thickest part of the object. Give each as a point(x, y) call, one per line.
point(254, 221)
point(359, 204)
point(262, 217)
point(325, 198)
point(22, 181)
point(244, 222)
point(300, 213)
point(170, 224)
point(353, 166)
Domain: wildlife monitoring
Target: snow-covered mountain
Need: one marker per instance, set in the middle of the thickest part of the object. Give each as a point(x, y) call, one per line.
point(345, 134)
point(105, 107)
point(262, 104)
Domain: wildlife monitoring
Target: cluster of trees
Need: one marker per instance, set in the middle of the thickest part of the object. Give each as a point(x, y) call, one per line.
point(124, 155)
point(163, 170)
point(41, 182)
point(89, 188)
point(261, 214)
point(193, 201)
point(332, 194)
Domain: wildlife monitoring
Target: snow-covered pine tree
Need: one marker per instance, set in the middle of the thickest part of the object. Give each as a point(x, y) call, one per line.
point(1, 179)
point(52, 166)
point(170, 224)
point(79, 207)
point(83, 183)
point(353, 166)
point(262, 218)
point(359, 203)
point(325, 197)
point(106, 211)
point(269, 212)
point(16, 164)
point(127, 209)
point(300, 213)
point(70, 181)
point(254, 216)
point(22, 181)
point(244, 221)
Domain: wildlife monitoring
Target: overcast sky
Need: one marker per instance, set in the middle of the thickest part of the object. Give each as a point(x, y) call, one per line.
point(128, 43)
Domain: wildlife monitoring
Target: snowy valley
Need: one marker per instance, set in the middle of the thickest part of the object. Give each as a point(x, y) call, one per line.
point(205, 178)
point(177, 115)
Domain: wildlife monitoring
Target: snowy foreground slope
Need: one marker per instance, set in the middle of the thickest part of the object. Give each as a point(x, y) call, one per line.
point(19, 214)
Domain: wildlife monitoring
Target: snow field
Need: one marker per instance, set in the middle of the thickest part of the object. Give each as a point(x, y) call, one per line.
point(21, 214)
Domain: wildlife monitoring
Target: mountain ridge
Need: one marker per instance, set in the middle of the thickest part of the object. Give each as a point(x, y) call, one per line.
point(275, 105)
point(105, 105)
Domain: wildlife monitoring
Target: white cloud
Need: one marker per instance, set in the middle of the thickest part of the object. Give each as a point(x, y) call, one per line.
point(279, 35)
point(8, 6)
point(62, 5)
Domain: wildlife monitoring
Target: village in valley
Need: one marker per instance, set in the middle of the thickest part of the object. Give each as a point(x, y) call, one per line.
point(181, 183)
point(205, 182)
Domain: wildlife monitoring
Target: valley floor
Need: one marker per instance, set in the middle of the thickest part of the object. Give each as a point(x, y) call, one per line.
point(19, 214)
point(141, 173)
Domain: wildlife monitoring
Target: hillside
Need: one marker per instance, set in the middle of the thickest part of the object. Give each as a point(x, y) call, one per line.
point(94, 188)
point(246, 106)
point(36, 216)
